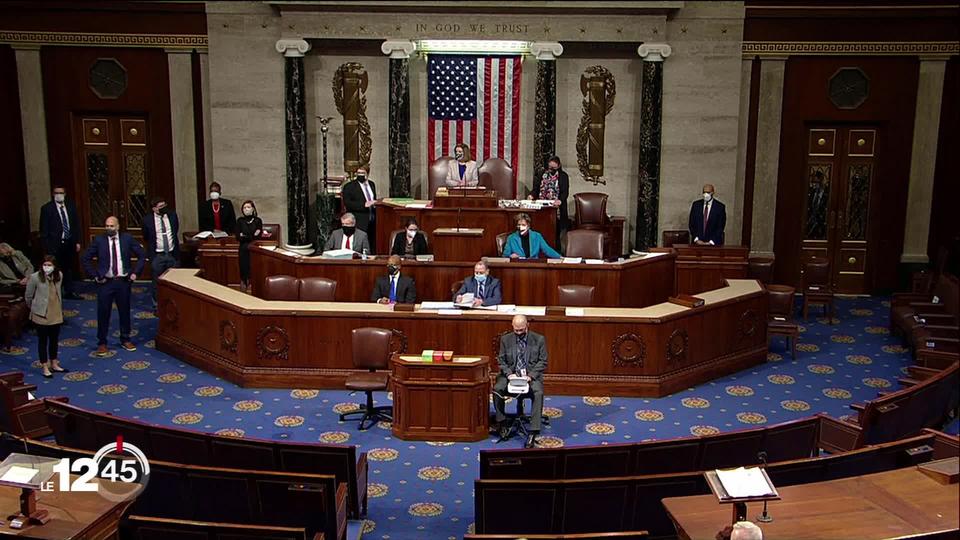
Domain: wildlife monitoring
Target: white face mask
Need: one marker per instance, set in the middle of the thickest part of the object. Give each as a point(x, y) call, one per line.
point(247, 211)
point(459, 155)
point(47, 269)
point(411, 234)
point(707, 197)
point(523, 228)
point(214, 195)
point(59, 197)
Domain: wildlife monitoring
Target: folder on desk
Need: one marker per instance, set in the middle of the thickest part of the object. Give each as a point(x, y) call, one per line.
point(338, 254)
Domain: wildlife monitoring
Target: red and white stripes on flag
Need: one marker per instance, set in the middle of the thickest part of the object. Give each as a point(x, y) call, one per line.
point(491, 123)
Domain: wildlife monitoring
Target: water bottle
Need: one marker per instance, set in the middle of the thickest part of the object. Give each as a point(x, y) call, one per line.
point(364, 255)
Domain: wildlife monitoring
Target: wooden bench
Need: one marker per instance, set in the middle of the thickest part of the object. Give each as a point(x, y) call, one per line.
point(76, 427)
point(781, 442)
point(633, 503)
point(928, 317)
point(150, 528)
point(313, 502)
point(19, 414)
point(921, 404)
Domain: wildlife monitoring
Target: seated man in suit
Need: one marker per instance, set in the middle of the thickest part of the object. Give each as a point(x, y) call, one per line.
point(15, 270)
point(708, 218)
point(348, 236)
point(527, 243)
point(394, 288)
point(485, 289)
point(522, 354)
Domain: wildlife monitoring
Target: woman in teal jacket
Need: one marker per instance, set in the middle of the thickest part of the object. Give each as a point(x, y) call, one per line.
point(527, 243)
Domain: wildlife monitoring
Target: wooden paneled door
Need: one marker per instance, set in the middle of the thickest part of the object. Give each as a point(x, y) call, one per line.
point(113, 172)
point(840, 166)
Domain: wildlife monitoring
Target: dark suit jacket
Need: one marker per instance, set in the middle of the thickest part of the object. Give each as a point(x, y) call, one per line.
point(492, 295)
point(419, 244)
point(51, 228)
point(228, 219)
point(406, 290)
point(536, 354)
point(716, 222)
point(563, 184)
point(150, 235)
point(100, 248)
point(354, 201)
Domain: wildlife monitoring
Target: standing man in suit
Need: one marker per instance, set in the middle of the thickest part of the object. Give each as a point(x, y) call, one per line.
point(216, 214)
point(484, 288)
point(523, 354)
point(348, 236)
point(708, 218)
point(394, 288)
point(360, 199)
point(60, 234)
point(114, 273)
point(161, 231)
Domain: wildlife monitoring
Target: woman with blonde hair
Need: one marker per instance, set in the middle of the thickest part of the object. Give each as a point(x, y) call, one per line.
point(45, 297)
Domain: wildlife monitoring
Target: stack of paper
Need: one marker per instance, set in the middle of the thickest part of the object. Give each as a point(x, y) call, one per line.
point(210, 234)
point(436, 305)
point(338, 254)
point(572, 260)
point(741, 482)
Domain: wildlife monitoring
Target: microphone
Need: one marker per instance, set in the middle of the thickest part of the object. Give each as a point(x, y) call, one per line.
point(764, 517)
point(762, 456)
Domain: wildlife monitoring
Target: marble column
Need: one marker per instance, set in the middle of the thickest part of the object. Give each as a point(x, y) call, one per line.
point(923, 159)
point(207, 120)
point(735, 233)
point(295, 127)
point(33, 120)
point(399, 118)
point(545, 119)
point(767, 163)
point(180, 67)
point(651, 110)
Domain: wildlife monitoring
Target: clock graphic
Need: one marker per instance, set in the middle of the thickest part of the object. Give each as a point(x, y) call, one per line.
point(108, 78)
point(849, 88)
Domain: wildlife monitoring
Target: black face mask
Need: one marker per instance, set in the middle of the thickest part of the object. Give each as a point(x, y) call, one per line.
point(348, 231)
point(361, 178)
point(163, 211)
point(393, 269)
point(111, 232)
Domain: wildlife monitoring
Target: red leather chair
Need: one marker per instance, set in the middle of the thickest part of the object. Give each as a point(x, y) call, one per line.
point(816, 286)
point(281, 287)
point(760, 269)
point(455, 287)
point(497, 174)
point(780, 320)
point(371, 352)
point(575, 295)
point(318, 289)
point(436, 176)
point(585, 243)
point(591, 211)
point(502, 242)
point(19, 414)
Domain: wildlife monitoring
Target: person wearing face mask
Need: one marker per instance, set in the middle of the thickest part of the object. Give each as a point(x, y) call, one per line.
point(360, 199)
point(522, 354)
point(15, 270)
point(527, 243)
point(411, 243)
point(708, 218)
point(554, 185)
point(394, 288)
point(463, 171)
point(484, 287)
point(44, 295)
point(348, 236)
point(161, 232)
point(114, 274)
point(60, 234)
point(216, 214)
point(249, 229)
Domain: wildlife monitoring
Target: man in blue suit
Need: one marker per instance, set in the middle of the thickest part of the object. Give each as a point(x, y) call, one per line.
point(708, 218)
point(60, 235)
point(114, 273)
point(485, 289)
point(161, 229)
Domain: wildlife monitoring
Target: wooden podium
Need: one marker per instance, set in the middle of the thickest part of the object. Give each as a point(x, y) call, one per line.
point(704, 268)
point(453, 197)
point(441, 401)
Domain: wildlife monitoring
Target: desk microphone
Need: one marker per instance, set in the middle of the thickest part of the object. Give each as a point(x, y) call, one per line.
point(764, 517)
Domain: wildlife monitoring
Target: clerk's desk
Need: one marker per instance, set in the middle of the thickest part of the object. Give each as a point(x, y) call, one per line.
point(651, 351)
point(633, 283)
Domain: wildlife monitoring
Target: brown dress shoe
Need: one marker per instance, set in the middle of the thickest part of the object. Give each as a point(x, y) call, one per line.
point(128, 345)
point(102, 350)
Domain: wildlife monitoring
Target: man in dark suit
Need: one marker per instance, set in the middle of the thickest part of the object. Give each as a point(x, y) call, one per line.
point(394, 288)
point(523, 354)
point(60, 235)
point(216, 214)
point(114, 273)
point(484, 288)
point(360, 199)
point(708, 218)
point(161, 231)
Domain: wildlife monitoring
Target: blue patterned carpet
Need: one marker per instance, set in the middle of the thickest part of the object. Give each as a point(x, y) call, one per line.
point(425, 490)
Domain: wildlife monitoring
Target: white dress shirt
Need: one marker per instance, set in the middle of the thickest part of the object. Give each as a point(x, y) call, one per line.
point(169, 234)
point(110, 246)
point(709, 206)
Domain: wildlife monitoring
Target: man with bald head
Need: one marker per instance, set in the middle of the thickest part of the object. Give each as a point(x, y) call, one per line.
point(523, 354)
point(114, 273)
point(708, 218)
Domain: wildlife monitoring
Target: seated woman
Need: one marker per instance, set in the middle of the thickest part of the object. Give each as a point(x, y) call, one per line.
point(527, 243)
point(412, 243)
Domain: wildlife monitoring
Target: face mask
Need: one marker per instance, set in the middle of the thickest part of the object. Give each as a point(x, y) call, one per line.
point(214, 195)
point(111, 232)
point(361, 177)
point(480, 277)
point(411, 234)
point(521, 335)
point(47, 269)
point(459, 155)
point(247, 211)
point(162, 211)
point(523, 229)
point(707, 197)
point(348, 229)
point(392, 270)
point(59, 197)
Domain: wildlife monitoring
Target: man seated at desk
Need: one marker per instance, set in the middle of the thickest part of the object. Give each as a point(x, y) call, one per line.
point(527, 243)
point(708, 218)
point(485, 289)
point(522, 354)
point(348, 236)
point(394, 288)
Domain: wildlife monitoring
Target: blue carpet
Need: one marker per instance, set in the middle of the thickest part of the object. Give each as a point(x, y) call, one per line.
point(425, 490)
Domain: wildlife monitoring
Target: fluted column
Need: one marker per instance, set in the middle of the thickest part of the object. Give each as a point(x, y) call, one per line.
point(651, 110)
point(399, 132)
point(545, 119)
point(298, 193)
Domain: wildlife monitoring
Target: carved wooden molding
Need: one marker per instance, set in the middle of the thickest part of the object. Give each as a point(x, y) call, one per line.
point(748, 324)
point(628, 350)
point(99, 39)
point(273, 343)
point(349, 95)
point(599, 92)
point(170, 313)
point(398, 342)
point(677, 346)
point(886, 48)
point(228, 336)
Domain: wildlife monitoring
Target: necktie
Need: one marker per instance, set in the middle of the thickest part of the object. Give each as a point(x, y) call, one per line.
point(706, 213)
point(65, 221)
point(115, 257)
point(480, 291)
point(367, 194)
point(163, 232)
point(521, 354)
point(393, 289)
point(348, 242)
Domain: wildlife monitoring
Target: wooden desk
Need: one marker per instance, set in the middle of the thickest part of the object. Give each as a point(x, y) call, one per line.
point(651, 351)
point(82, 515)
point(452, 244)
point(441, 401)
point(633, 283)
point(219, 257)
point(884, 505)
point(465, 198)
point(704, 268)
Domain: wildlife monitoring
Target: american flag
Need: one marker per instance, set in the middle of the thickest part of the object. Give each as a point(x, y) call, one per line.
point(474, 100)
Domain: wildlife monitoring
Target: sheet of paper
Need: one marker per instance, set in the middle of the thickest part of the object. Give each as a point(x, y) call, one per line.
point(269, 248)
point(466, 359)
point(19, 475)
point(506, 308)
point(741, 482)
point(536, 311)
point(30, 396)
point(203, 234)
point(574, 312)
point(342, 253)
point(594, 261)
point(572, 260)
point(415, 205)
point(436, 305)
point(411, 358)
point(449, 312)
point(487, 308)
